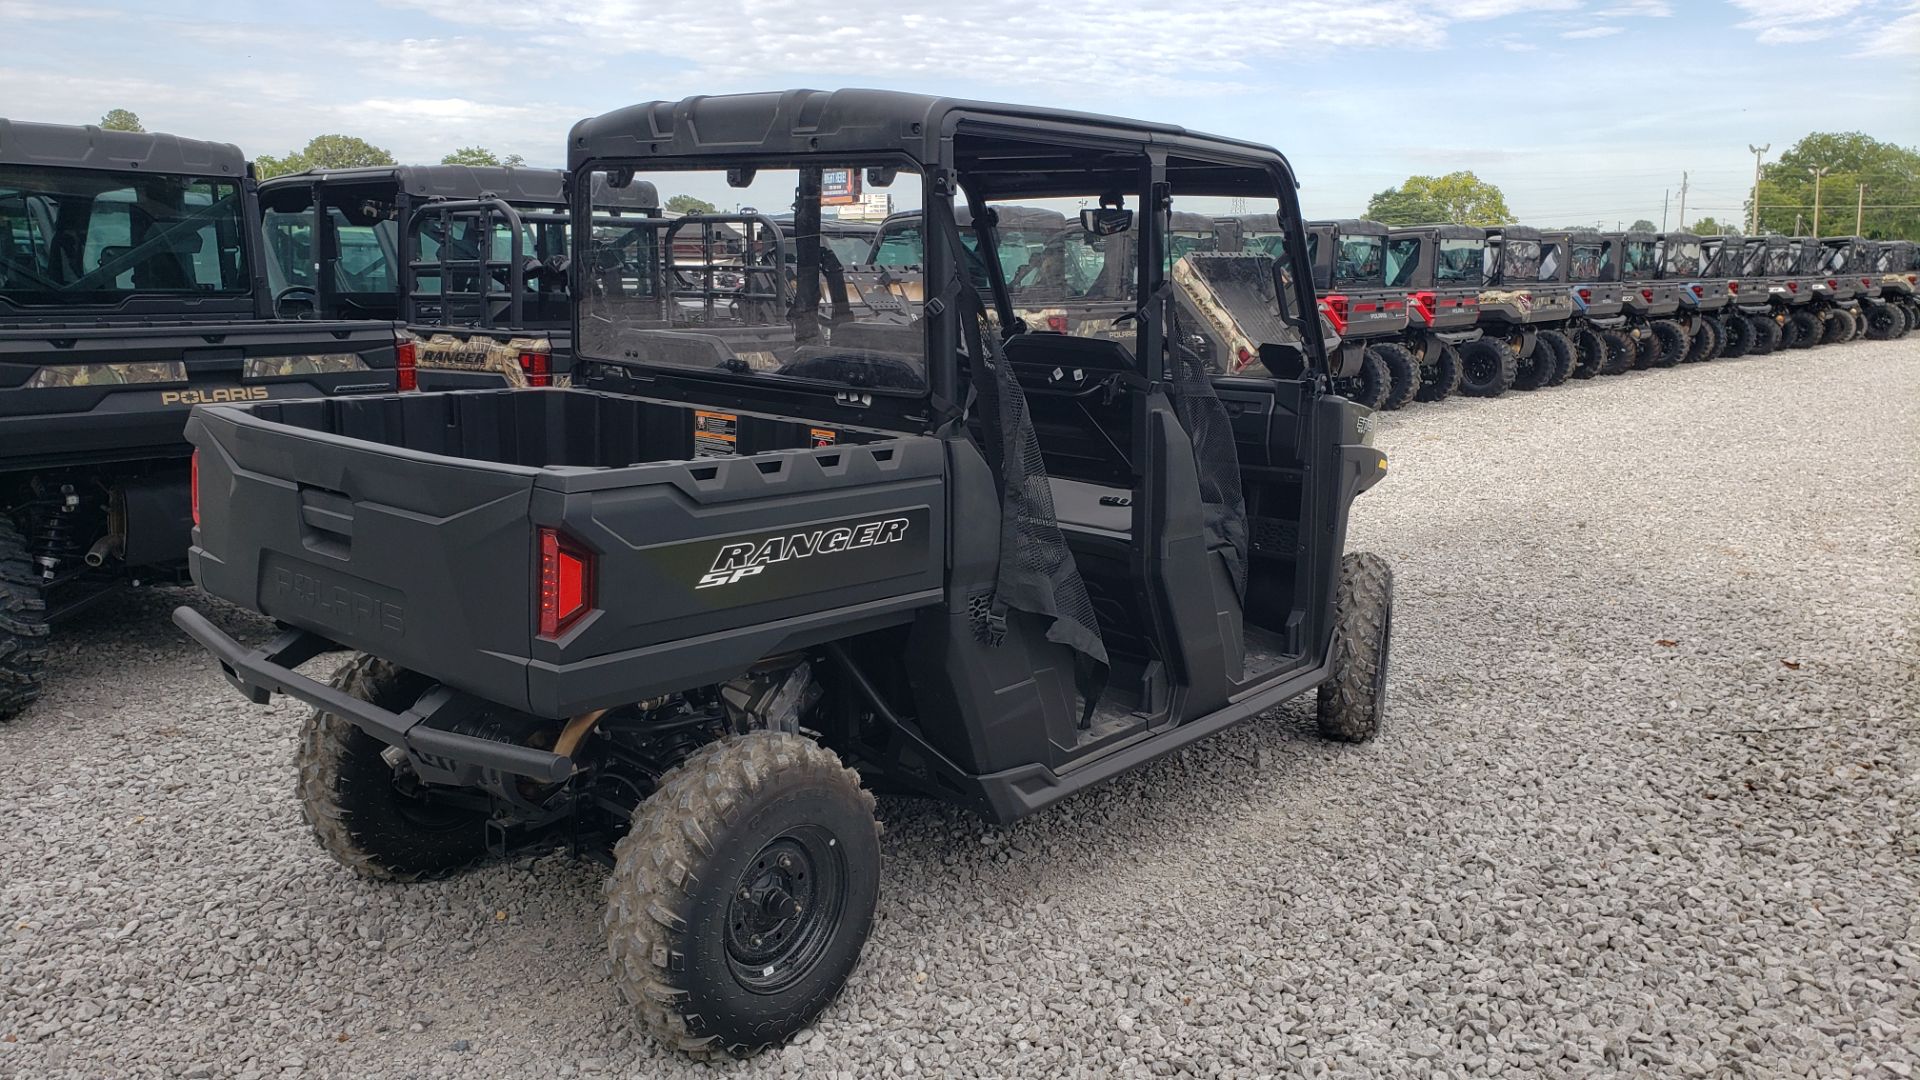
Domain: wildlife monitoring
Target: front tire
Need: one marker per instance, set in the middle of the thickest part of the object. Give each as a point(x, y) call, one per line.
point(356, 803)
point(1487, 368)
point(743, 893)
point(1353, 701)
point(1370, 386)
point(1590, 353)
point(1561, 348)
point(1802, 330)
point(23, 625)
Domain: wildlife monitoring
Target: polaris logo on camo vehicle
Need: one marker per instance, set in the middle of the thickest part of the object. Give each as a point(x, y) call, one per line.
point(743, 560)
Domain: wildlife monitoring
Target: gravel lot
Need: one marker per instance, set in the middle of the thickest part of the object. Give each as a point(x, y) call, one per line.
point(1648, 808)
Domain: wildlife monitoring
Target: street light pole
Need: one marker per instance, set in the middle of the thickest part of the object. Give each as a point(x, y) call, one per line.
point(1817, 174)
point(1758, 152)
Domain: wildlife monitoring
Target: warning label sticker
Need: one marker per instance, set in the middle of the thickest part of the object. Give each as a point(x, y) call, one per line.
point(824, 437)
point(715, 434)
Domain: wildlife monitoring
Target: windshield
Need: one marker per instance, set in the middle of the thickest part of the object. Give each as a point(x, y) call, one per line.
point(1459, 262)
point(72, 236)
point(1520, 260)
point(850, 250)
point(1360, 260)
point(715, 294)
point(1683, 256)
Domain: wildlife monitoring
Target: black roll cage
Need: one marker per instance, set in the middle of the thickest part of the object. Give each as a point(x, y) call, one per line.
point(1082, 153)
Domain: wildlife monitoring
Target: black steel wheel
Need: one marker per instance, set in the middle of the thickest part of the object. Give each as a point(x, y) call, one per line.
point(1487, 368)
point(1590, 353)
point(1802, 330)
point(1739, 337)
point(1440, 378)
point(743, 893)
point(1670, 340)
point(1621, 353)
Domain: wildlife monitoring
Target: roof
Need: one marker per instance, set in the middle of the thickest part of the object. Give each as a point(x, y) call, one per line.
point(1683, 237)
point(514, 184)
point(856, 124)
point(1631, 234)
point(1351, 226)
point(91, 147)
point(1513, 232)
point(1440, 232)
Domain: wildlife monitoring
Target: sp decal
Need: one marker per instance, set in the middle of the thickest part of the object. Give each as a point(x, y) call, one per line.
point(738, 561)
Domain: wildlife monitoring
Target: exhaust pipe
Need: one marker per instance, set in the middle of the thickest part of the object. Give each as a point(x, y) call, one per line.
point(107, 547)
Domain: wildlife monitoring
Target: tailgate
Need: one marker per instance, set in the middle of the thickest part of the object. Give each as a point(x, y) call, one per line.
point(423, 560)
point(105, 392)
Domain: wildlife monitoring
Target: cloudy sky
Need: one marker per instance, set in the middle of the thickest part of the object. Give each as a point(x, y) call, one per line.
point(1581, 111)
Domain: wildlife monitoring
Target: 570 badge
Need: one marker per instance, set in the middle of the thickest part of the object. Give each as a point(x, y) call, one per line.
point(738, 561)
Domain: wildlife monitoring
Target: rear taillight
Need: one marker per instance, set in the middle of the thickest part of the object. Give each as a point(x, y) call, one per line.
point(1698, 290)
point(1733, 286)
point(1864, 281)
point(1647, 295)
point(537, 367)
point(1832, 284)
point(566, 582)
point(406, 360)
point(1057, 323)
point(1335, 307)
point(1793, 286)
point(193, 486)
point(1586, 294)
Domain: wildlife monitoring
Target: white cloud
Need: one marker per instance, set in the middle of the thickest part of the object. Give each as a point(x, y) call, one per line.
point(1594, 32)
point(1901, 37)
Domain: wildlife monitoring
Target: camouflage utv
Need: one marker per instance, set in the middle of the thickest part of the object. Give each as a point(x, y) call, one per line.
point(1514, 308)
point(1649, 303)
point(1897, 264)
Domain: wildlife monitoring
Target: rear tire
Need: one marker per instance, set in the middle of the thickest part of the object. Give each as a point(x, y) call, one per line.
point(743, 892)
point(1802, 330)
point(23, 625)
point(1671, 342)
point(1403, 374)
point(1739, 340)
point(1441, 378)
point(1353, 701)
point(1621, 353)
point(350, 798)
point(1766, 335)
point(1884, 322)
point(1705, 343)
point(1487, 368)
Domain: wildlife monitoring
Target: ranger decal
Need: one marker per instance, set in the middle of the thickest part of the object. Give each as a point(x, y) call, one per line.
point(743, 560)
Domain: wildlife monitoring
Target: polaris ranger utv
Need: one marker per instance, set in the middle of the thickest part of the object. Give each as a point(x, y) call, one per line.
point(1789, 287)
point(1751, 327)
point(130, 290)
point(1897, 264)
point(1438, 268)
point(1349, 260)
point(1848, 288)
point(1603, 343)
point(1648, 302)
point(1703, 298)
point(1514, 308)
point(763, 558)
point(471, 260)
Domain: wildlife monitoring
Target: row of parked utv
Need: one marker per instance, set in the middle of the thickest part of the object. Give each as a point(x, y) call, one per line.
point(1443, 309)
point(663, 540)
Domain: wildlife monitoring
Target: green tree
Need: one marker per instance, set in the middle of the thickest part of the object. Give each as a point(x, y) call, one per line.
point(1396, 207)
point(1889, 171)
point(687, 204)
point(121, 120)
point(1643, 225)
point(1707, 226)
point(480, 155)
point(1458, 197)
point(324, 152)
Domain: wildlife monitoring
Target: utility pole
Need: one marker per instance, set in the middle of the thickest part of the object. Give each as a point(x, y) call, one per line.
point(1683, 203)
point(1817, 175)
point(1665, 197)
point(1860, 211)
point(1753, 219)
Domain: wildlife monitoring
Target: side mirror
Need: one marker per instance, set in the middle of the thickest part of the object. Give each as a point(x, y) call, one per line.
point(1106, 221)
point(881, 177)
point(741, 177)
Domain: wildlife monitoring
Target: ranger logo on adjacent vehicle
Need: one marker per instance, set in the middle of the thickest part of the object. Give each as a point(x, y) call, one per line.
point(742, 560)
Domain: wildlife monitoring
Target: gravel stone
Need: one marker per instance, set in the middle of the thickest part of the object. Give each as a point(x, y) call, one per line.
point(1647, 806)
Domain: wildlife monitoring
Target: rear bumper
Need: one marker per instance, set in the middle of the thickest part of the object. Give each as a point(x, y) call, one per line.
point(439, 756)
